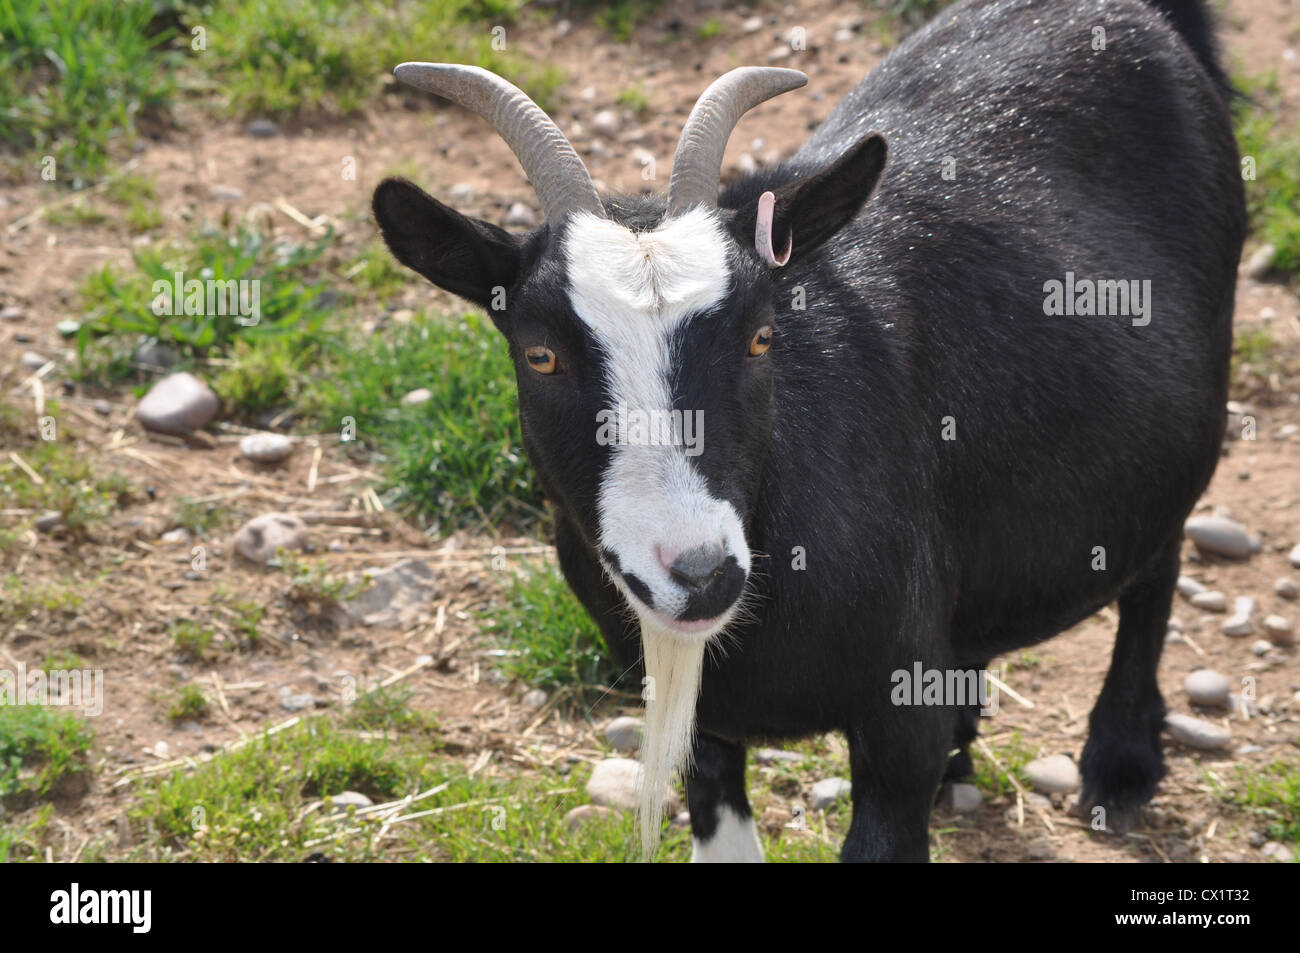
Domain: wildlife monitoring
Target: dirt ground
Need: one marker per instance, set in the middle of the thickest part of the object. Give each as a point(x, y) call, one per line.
point(136, 583)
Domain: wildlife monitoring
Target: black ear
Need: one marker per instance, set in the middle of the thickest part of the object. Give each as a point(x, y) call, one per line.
point(814, 208)
point(463, 255)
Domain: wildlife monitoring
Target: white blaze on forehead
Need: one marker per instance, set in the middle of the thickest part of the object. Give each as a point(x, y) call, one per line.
point(634, 290)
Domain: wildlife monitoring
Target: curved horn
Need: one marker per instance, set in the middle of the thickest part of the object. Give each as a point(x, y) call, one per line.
point(561, 181)
point(697, 164)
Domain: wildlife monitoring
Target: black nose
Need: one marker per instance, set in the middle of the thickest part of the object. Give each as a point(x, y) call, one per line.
point(697, 567)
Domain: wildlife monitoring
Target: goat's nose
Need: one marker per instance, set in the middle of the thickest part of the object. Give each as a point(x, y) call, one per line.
point(697, 567)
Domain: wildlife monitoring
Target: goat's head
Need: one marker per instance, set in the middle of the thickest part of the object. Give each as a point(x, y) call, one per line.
point(646, 347)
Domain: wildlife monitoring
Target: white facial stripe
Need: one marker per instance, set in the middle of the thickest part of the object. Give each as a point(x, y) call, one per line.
point(633, 290)
point(734, 842)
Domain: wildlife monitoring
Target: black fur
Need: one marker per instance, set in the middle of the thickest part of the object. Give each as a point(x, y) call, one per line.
point(1071, 432)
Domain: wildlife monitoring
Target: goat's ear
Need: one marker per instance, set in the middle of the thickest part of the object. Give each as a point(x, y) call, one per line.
point(808, 211)
point(465, 256)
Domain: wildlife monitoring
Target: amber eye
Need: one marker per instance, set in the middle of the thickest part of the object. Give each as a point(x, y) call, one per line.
point(762, 340)
point(541, 359)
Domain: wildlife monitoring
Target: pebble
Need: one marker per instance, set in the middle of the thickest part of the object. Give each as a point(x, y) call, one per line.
point(777, 756)
point(751, 25)
point(1260, 261)
point(585, 813)
point(1286, 588)
point(103, 407)
point(12, 314)
point(1213, 601)
point(829, 791)
point(259, 538)
point(421, 395)
point(1053, 775)
point(178, 535)
point(48, 522)
point(227, 193)
point(178, 403)
point(624, 734)
point(1238, 626)
point(963, 798)
point(350, 799)
point(297, 701)
point(521, 215)
point(155, 354)
point(33, 361)
point(1207, 687)
point(1294, 556)
point(1189, 587)
point(68, 327)
point(1261, 647)
point(606, 123)
point(1219, 536)
point(1268, 314)
point(615, 782)
point(1278, 630)
point(1197, 733)
point(1278, 852)
point(266, 447)
point(461, 193)
point(262, 129)
point(534, 698)
point(396, 596)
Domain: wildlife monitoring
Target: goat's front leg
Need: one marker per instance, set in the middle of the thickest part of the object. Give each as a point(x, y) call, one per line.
point(897, 763)
point(722, 825)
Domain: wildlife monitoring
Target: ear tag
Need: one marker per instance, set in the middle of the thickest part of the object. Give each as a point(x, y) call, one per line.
point(763, 233)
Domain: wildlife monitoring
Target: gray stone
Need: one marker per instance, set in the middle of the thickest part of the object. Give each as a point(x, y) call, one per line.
point(1278, 852)
point(1278, 630)
point(843, 36)
point(297, 701)
point(751, 24)
point(829, 791)
point(1294, 556)
point(777, 756)
point(68, 327)
point(259, 538)
point(342, 802)
point(615, 782)
point(606, 123)
point(33, 361)
point(585, 813)
point(396, 596)
point(266, 447)
point(1056, 774)
point(1238, 626)
point(12, 314)
point(49, 521)
point(1261, 647)
point(262, 129)
point(534, 698)
point(1212, 601)
point(624, 734)
point(520, 215)
point(179, 403)
point(226, 193)
point(1286, 588)
point(461, 193)
point(421, 395)
point(1196, 733)
point(1207, 687)
point(1189, 587)
point(154, 354)
point(963, 798)
point(1261, 261)
point(1218, 536)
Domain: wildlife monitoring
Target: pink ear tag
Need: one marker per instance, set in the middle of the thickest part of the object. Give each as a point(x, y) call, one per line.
point(763, 233)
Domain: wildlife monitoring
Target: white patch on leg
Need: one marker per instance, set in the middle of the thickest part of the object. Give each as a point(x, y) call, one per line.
point(734, 842)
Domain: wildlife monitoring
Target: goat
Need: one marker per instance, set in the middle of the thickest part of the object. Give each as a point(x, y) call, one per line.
point(911, 456)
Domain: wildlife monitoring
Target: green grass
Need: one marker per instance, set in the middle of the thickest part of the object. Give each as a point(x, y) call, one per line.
point(633, 98)
point(39, 749)
point(1013, 753)
point(24, 598)
point(1254, 361)
point(191, 639)
point(190, 704)
point(199, 519)
point(554, 643)
point(710, 29)
point(389, 709)
point(1273, 197)
point(1271, 794)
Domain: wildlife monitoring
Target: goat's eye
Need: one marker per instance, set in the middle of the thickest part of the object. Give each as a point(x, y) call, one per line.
point(541, 359)
point(761, 341)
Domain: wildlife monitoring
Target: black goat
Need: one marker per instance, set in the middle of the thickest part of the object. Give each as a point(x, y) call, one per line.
point(955, 402)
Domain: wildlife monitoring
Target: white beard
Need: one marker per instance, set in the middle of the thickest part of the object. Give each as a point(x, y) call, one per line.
point(674, 665)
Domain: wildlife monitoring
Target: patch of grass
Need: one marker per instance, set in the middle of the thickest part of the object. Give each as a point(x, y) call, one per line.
point(248, 619)
point(24, 598)
point(710, 29)
point(74, 77)
point(389, 709)
point(1273, 795)
point(200, 519)
point(1254, 360)
point(63, 660)
point(191, 639)
point(40, 749)
point(1273, 195)
point(312, 583)
point(1013, 754)
point(376, 271)
point(621, 17)
point(190, 704)
point(553, 642)
point(633, 98)
point(83, 212)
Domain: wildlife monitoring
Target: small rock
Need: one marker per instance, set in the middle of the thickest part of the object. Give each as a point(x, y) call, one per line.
point(778, 53)
point(963, 798)
point(1212, 601)
point(1286, 588)
point(1261, 261)
point(1206, 687)
point(1189, 587)
point(1053, 775)
point(615, 782)
point(33, 361)
point(227, 193)
point(342, 802)
point(421, 395)
point(534, 698)
point(1218, 536)
point(461, 193)
point(396, 596)
point(178, 535)
point(262, 129)
point(624, 734)
point(298, 701)
point(843, 36)
point(259, 538)
point(585, 813)
point(751, 25)
point(1238, 626)
point(1261, 647)
point(1278, 852)
point(1278, 630)
point(521, 215)
point(48, 522)
point(829, 791)
point(1249, 749)
point(563, 28)
point(178, 403)
point(776, 755)
point(12, 314)
point(266, 447)
point(1294, 556)
point(68, 327)
point(102, 407)
point(606, 123)
point(682, 819)
point(1196, 733)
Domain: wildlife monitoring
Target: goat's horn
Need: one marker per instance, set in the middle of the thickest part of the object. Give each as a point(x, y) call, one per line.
point(561, 181)
point(697, 164)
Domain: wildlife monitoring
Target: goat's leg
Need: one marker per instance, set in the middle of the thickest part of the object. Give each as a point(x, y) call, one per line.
point(897, 763)
point(722, 825)
point(960, 767)
point(1122, 762)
